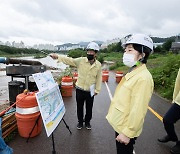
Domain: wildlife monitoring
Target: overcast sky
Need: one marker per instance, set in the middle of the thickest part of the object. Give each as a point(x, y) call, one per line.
point(62, 21)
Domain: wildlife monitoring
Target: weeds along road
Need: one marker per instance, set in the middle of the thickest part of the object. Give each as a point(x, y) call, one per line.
point(101, 139)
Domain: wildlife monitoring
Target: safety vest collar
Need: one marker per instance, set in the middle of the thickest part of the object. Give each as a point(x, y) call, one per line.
point(136, 71)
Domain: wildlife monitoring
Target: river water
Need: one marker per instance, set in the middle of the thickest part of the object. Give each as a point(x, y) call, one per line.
point(4, 93)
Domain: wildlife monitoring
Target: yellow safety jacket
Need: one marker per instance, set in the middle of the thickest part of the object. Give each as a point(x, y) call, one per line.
point(87, 74)
point(176, 94)
point(130, 102)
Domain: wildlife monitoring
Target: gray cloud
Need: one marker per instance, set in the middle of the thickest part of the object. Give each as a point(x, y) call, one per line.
point(78, 20)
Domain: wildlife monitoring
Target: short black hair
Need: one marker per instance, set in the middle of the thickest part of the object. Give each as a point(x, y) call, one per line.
point(142, 49)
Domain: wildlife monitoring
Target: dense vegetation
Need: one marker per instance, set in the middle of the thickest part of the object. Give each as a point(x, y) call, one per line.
point(7, 51)
point(164, 70)
point(76, 53)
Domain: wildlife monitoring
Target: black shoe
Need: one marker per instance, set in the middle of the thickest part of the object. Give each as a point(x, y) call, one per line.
point(79, 126)
point(88, 126)
point(166, 139)
point(175, 149)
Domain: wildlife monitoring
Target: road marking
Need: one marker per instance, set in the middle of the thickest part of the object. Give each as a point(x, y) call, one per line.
point(150, 109)
point(155, 113)
point(109, 92)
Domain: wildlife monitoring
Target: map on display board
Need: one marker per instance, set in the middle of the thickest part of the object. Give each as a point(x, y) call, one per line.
point(44, 80)
point(50, 101)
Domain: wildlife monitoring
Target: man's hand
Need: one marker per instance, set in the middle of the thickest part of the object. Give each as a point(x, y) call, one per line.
point(95, 94)
point(123, 139)
point(54, 55)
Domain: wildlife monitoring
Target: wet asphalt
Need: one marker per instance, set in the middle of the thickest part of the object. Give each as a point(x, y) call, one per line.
point(101, 138)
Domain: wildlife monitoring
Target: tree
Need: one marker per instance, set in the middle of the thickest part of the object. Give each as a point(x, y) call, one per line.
point(104, 50)
point(167, 45)
point(158, 49)
point(75, 53)
point(119, 47)
point(114, 47)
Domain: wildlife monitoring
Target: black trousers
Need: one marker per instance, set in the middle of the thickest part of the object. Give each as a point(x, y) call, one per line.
point(172, 115)
point(81, 97)
point(125, 149)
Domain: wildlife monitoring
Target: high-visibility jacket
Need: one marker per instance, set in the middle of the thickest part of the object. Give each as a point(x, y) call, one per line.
point(130, 102)
point(87, 74)
point(176, 94)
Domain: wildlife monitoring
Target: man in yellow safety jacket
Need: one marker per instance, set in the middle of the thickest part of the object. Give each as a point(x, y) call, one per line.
point(88, 82)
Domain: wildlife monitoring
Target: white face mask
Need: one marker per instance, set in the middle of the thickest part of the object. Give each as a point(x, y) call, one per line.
point(128, 59)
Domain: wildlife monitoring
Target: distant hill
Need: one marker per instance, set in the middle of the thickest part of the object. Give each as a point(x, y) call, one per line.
point(82, 44)
point(159, 39)
point(66, 44)
point(99, 42)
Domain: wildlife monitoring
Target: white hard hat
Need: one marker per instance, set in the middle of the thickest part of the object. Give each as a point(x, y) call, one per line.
point(93, 46)
point(141, 39)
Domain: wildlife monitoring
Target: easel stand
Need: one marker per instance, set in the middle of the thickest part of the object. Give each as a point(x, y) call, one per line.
point(36, 123)
point(53, 144)
point(54, 150)
point(66, 125)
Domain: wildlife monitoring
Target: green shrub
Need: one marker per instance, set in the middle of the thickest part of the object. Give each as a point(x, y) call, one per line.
point(113, 56)
point(165, 74)
point(66, 72)
point(114, 47)
point(76, 53)
point(154, 55)
point(100, 58)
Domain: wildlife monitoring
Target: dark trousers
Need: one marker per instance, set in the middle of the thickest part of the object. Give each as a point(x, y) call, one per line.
point(172, 115)
point(81, 97)
point(125, 149)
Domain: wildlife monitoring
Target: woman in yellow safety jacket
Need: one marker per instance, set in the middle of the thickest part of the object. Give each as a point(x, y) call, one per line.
point(130, 102)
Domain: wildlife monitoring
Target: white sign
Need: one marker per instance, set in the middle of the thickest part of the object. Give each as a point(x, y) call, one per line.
point(49, 100)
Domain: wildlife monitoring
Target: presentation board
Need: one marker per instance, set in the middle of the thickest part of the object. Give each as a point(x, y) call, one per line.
point(49, 100)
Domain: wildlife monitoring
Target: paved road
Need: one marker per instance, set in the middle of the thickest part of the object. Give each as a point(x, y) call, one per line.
point(99, 140)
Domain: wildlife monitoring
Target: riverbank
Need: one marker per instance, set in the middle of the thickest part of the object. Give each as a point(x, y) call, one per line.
point(4, 94)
